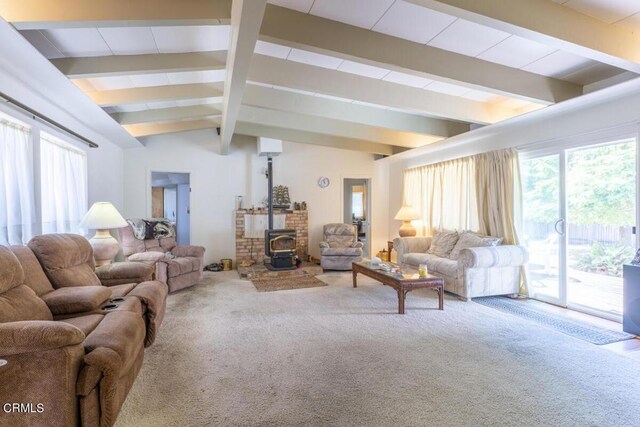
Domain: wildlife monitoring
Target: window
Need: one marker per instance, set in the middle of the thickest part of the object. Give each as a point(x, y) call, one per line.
point(43, 183)
point(63, 176)
point(17, 204)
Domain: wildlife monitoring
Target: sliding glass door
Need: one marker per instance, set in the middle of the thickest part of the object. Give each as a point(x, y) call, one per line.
point(601, 215)
point(579, 212)
point(543, 226)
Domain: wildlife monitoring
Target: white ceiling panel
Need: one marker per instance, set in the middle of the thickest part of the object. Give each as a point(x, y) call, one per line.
point(252, 82)
point(149, 80)
point(84, 85)
point(300, 5)
point(272, 49)
point(513, 103)
point(447, 88)
point(335, 98)
point(632, 22)
point(199, 101)
point(129, 40)
point(481, 96)
point(363, 69)
point(290, 89)
point(130, 108)
point(558, 64)
point(315, 59)
point(111, 82)
point(516, 52)
point(369, 104)
point(196, 38)
point(411, 22)
point(608, 11)
point(406, 79)
point(187, 77)
point(162, 104)
point(40, 42)
point(361, 13)
point(468, 38)
point(78, 41)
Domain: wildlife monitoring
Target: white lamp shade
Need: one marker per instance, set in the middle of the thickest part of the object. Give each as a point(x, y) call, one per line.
point(102, 216)
point(407, 213)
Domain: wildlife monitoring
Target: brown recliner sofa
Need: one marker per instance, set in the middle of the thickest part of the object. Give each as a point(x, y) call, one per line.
point(178, 266)
point(61, 350)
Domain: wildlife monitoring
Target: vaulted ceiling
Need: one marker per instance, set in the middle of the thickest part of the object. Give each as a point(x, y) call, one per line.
point(381, 76)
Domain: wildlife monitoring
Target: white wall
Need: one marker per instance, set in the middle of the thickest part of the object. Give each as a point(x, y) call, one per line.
point(216, 181)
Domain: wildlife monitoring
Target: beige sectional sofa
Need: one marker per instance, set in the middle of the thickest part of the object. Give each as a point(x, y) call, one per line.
point(474, 271)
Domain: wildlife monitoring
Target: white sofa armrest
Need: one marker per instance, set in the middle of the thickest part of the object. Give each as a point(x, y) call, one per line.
point(408, 245)
point(494, 256)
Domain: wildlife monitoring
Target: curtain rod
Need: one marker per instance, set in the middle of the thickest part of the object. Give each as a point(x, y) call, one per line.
point(46, 119)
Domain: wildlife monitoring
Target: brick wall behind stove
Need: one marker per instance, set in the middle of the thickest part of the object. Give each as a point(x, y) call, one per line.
point(295, 220)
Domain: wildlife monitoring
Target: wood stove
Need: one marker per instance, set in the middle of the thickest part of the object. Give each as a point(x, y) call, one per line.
point(280, 245)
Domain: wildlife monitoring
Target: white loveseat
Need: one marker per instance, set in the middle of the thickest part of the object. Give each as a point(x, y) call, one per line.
point(479, 271)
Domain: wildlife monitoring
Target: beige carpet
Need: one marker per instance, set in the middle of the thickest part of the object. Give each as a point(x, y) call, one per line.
point(336, 356)
point(270, 284)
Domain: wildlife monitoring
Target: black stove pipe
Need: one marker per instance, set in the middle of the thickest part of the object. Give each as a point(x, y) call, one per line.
point(270, 179)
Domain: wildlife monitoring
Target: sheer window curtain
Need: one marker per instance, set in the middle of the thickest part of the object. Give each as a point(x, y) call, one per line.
point(444, 194)
point(63, 186)
point(17, 208)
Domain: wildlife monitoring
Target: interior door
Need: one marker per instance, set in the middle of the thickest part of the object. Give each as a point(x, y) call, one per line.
point(544, 226)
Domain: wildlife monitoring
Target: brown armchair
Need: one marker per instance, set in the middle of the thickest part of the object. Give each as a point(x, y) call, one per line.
point(340, 247)
point(178, 266)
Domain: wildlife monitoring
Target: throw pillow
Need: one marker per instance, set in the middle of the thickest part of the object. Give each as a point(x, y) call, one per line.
point(149, 229)
point(472, 240)
point(442, 243)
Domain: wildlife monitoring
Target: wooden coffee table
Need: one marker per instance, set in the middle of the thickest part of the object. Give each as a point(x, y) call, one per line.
point(402, 283)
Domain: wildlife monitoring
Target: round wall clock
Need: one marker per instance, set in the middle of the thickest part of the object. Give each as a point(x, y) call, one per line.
point(324, 182)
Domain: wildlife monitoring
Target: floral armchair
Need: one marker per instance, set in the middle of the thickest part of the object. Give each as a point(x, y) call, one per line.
point(340, 247)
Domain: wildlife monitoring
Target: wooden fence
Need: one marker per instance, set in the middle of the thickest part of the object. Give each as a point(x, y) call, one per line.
point(584, 234)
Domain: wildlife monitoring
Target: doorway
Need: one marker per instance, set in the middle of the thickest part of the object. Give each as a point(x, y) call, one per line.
point(579, 212)
point(357, 209)
point(171, 199)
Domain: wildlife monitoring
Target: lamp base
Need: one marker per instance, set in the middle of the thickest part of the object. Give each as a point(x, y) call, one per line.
point(105, 247)
point(407, 230)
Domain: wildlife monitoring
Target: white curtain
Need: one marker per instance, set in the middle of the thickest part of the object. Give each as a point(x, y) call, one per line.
point(64, 186)
point(17, 201)
point(444, 194)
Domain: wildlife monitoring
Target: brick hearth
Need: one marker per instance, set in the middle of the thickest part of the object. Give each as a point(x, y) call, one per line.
point(294, 220)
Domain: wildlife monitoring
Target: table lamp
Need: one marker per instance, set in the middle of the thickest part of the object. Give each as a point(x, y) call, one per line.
point(406, 214)
point(102, 217)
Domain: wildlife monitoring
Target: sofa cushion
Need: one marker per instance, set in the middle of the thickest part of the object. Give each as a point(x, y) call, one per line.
point(472, 240)
point(85, 323)
point(446, 266)
point(11, 273)
point(121, 331)
point(118, 273)
point(67, 259)
point(77, 299)
point(119, 291)
point(34, 276)
point(22, 303)
point(443, 242)
point(340, 235)
point(179, 266)
point(341, 252)
point(416, 258)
